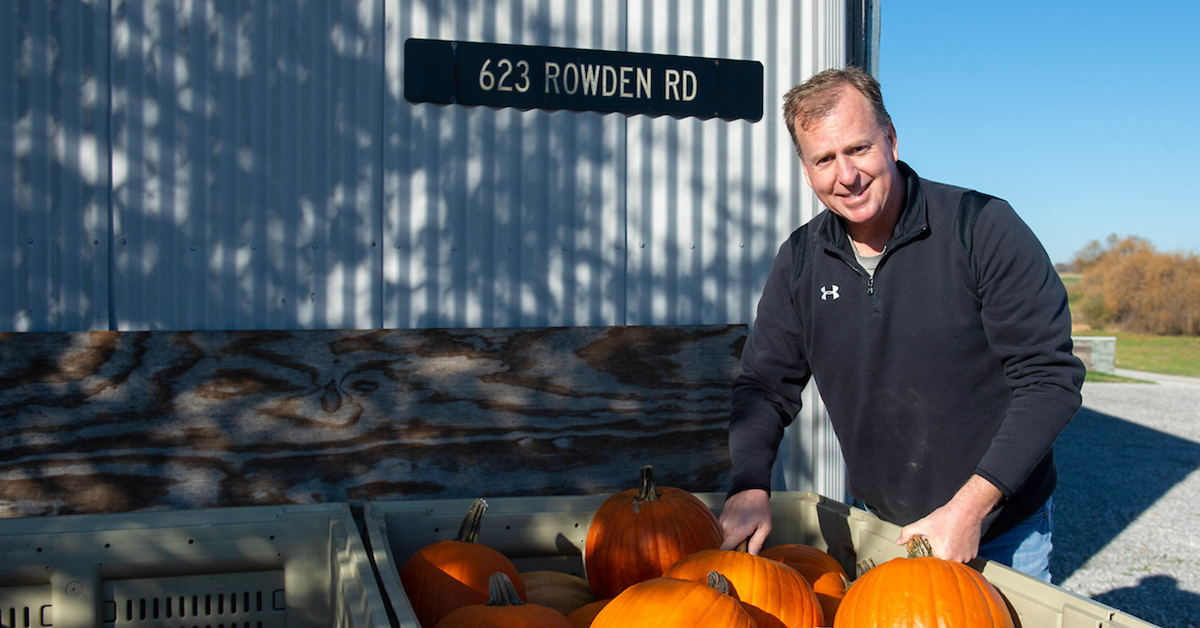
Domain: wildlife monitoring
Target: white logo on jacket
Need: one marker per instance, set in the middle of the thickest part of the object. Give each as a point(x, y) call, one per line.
point(826, 293)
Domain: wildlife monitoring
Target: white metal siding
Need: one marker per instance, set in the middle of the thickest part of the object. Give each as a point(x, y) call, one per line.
point(246, 148)
point(259, 167)
point(53, 166)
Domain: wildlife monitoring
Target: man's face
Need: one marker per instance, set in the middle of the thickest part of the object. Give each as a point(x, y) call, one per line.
point(851, 164)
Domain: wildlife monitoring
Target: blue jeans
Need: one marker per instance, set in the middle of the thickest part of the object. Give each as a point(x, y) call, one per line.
point(1026, 547)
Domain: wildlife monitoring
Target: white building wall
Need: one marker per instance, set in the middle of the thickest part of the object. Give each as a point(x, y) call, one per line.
point(194, 164)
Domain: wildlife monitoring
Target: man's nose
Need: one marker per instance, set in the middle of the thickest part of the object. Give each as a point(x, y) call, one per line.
point(847, 173)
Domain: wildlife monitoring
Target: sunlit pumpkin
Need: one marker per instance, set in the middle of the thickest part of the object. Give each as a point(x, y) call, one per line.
point(775, 595)
point(636, 534)
point(673, 603)
point(826, 575)
point(922, 590)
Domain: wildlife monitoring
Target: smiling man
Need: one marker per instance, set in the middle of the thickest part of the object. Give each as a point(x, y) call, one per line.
point(936, 329)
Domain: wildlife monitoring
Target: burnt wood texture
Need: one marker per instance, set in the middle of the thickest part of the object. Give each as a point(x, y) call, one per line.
point(94, 422)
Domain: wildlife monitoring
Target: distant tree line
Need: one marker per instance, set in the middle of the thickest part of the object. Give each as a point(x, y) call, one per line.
point(1128, 285)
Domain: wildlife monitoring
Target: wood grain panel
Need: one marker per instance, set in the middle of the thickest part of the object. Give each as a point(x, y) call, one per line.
point(120, 421)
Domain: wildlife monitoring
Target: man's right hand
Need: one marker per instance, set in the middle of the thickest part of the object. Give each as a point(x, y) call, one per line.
point(746, 515)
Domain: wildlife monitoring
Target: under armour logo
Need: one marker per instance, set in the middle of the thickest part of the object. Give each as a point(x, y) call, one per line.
point(826, 293)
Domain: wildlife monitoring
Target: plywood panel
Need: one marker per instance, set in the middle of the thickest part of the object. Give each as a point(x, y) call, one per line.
point(118, 421)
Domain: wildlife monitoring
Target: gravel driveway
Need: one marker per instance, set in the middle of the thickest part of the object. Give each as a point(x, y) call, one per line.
point(1127, 508)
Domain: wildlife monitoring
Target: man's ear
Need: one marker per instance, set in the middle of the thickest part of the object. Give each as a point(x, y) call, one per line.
point(804, 169)
point(891, 135)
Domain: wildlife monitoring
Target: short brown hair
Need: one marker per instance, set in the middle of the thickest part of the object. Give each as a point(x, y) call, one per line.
point(815, 98)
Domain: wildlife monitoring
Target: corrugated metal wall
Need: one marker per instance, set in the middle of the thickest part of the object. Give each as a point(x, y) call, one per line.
point(194, 164)
point(54, 208)
point(246, 164)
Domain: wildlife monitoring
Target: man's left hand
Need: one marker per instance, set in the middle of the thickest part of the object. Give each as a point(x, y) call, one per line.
point(953, 530)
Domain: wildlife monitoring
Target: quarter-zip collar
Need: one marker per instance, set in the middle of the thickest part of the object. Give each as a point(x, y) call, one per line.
point(912, 222)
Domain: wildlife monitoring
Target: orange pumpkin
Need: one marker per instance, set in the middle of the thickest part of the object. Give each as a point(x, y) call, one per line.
point(775, 595)
point(673, 603)
point(583, 616)
point(826, 575)
point(504, 609)
point(447, 575)
point(922, 591)
point(636, 534)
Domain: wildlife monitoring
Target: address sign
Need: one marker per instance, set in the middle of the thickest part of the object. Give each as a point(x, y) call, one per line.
point(541, 77)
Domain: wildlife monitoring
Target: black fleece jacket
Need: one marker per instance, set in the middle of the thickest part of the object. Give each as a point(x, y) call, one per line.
point(955, 359)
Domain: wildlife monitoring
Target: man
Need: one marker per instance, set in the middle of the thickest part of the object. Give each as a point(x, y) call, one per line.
point(936, 329)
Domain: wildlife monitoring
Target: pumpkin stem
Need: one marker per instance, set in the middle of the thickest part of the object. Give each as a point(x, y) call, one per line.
point(862, 567)
point(720, 583)
point(919, 546)
point(469, 530)
point(649, 490)
point(501, 591)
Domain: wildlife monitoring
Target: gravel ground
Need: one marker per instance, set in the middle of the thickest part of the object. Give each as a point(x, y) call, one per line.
point(1127, 508)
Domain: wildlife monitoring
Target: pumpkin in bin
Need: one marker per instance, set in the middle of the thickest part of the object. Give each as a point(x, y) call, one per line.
point(826, 575)
point(583, 616)
point(673, 603)
point(922, 590)
point(504, 609)
point(637, 533)
point(775, 595)
point(447, 575)
point(563, 592)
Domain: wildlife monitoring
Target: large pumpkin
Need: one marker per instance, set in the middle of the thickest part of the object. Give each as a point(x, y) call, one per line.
point(636, 534)
point(673, 603)
point(447, 575)
point(775, 595)
point(922, 591)
point(826, 575)
point(504, 609)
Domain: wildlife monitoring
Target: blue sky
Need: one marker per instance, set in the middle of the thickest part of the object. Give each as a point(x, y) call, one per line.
point(1084, 115)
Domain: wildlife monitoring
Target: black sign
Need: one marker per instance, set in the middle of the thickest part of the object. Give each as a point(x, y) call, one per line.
point(540, 77)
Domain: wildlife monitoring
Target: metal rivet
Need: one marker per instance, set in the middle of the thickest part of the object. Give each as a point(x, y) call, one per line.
point(253, 247)
point(314, 245)
point(192, 247)
point(618, 247)
point(31, 240)
point(642, 245)
point(691, 246)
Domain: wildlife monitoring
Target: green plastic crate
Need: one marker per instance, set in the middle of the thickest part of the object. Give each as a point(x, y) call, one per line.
point(251, 567)
point(551, 532)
